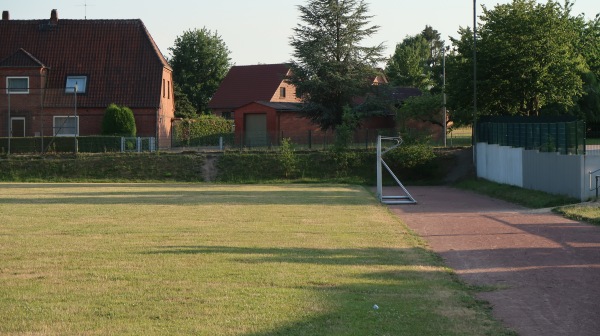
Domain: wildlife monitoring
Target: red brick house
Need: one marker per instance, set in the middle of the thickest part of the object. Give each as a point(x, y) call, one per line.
point(265, 107)
point(108, 61)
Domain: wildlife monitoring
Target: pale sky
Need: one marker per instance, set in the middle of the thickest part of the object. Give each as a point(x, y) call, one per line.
point(258, 31)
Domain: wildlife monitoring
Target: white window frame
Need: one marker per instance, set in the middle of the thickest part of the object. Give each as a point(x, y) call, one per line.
point(55, 127)
point(81, 88)
point(19, 91)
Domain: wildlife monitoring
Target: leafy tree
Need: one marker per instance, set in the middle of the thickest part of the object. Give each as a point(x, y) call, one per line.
point(417, 61)
point(183, 106)
point(118, 120)
point(588, 106)
point(432, 37)
point(426, 108)
point(331, 67)
point(200, 62)
point(527, 58)
point(409, 64)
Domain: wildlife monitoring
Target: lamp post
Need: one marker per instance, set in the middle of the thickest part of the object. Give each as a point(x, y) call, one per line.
point(9, 121)
point(474, 141)
point(445, 121)
point(76, 123)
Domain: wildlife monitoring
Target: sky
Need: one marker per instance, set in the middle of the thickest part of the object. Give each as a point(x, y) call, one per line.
point(259, 31)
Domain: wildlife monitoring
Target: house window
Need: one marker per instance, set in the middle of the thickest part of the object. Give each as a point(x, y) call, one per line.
point(227, 115)
point(169, 90)
point(66, 125)
point(163, 87)
point(17, 85)
point(79, 82)
point(281, 92)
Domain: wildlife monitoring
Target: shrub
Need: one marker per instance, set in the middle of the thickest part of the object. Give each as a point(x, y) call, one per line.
point(118, 120)
point(204, 130)
point(287, 158)
point(413, 161)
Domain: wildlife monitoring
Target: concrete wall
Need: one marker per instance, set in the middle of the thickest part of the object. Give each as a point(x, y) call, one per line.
point(500, 164)
point(549, 172)
point(553, 173)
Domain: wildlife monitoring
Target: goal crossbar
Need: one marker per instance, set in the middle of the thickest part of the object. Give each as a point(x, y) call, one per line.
point(397, 199)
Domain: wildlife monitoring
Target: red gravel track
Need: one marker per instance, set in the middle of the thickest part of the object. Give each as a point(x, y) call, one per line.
point(546, 267)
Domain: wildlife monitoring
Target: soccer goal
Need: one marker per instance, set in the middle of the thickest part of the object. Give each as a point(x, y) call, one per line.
point(406, 198)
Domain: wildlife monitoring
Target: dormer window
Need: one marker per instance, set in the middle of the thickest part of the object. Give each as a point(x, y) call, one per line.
point(76, 81)
point(17, 85)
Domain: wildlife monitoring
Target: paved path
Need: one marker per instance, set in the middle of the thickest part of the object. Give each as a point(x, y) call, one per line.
point(547, 268)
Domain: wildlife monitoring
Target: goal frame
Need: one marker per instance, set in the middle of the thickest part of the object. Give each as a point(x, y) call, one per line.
point(392, 199)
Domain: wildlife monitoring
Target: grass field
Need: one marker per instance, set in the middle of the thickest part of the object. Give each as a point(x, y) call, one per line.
point(159, 259)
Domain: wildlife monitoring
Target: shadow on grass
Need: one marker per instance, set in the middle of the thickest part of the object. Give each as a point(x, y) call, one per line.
point(363, 256)
point(409, 287)
point(191, 195)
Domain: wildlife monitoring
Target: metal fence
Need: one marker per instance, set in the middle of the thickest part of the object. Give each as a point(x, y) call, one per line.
point(365, 138)
point(313, 140)
point(89, 144)
point(565, 137)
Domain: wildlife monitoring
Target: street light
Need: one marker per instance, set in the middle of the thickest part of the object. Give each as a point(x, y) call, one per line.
point(76, 123)
point(474, 82)
point(445, 121)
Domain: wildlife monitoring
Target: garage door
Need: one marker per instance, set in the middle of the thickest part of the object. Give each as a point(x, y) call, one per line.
point(256, 130)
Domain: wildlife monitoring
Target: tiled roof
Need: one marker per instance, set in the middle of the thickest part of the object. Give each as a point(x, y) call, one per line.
point(249, 83)
point(21, 58)
point(120, 58)
point(282, 106)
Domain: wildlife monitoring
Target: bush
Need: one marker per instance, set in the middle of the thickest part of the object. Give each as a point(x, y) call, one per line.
point(204, 130)
point(413, 161)
point(287, 158)
point(118, 120)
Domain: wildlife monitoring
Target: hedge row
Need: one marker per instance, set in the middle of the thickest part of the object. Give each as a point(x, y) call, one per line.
point(410, 163)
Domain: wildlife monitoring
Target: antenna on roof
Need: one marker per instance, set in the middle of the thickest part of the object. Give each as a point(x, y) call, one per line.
point(85, 5)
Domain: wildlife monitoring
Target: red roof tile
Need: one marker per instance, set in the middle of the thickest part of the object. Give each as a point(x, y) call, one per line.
point(120, 58)
point(244, 84)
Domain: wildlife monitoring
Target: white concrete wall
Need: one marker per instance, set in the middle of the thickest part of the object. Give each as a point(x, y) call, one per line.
point(550, 172)
point(553, 173)
point(500, 164)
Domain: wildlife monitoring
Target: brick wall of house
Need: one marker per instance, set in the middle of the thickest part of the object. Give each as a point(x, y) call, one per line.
point(166, 113)
point(290, 94)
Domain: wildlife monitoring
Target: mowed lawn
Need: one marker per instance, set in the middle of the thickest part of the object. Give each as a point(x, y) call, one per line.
point(196, 259)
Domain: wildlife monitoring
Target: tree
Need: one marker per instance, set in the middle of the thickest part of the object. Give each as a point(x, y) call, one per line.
point(331, 67)
point(183, 106)
point(426, 107)
point(118, 120)
point(527, 58)
point(588, 105)
point(409, 64)
point(417, 61)
point(200, 62)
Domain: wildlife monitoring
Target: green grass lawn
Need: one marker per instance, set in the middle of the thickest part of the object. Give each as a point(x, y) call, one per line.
point(193, 259)
point(588, 213)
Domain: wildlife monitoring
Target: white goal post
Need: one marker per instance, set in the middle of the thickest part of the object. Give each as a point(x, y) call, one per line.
point(401, 199)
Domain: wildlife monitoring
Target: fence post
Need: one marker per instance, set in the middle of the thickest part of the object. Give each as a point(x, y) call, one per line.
point(367, 138)
point(309, 139)
point(122, 144)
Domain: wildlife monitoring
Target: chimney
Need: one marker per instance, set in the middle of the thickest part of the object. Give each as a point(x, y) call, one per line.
point(5, 16)
point(54, 17)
